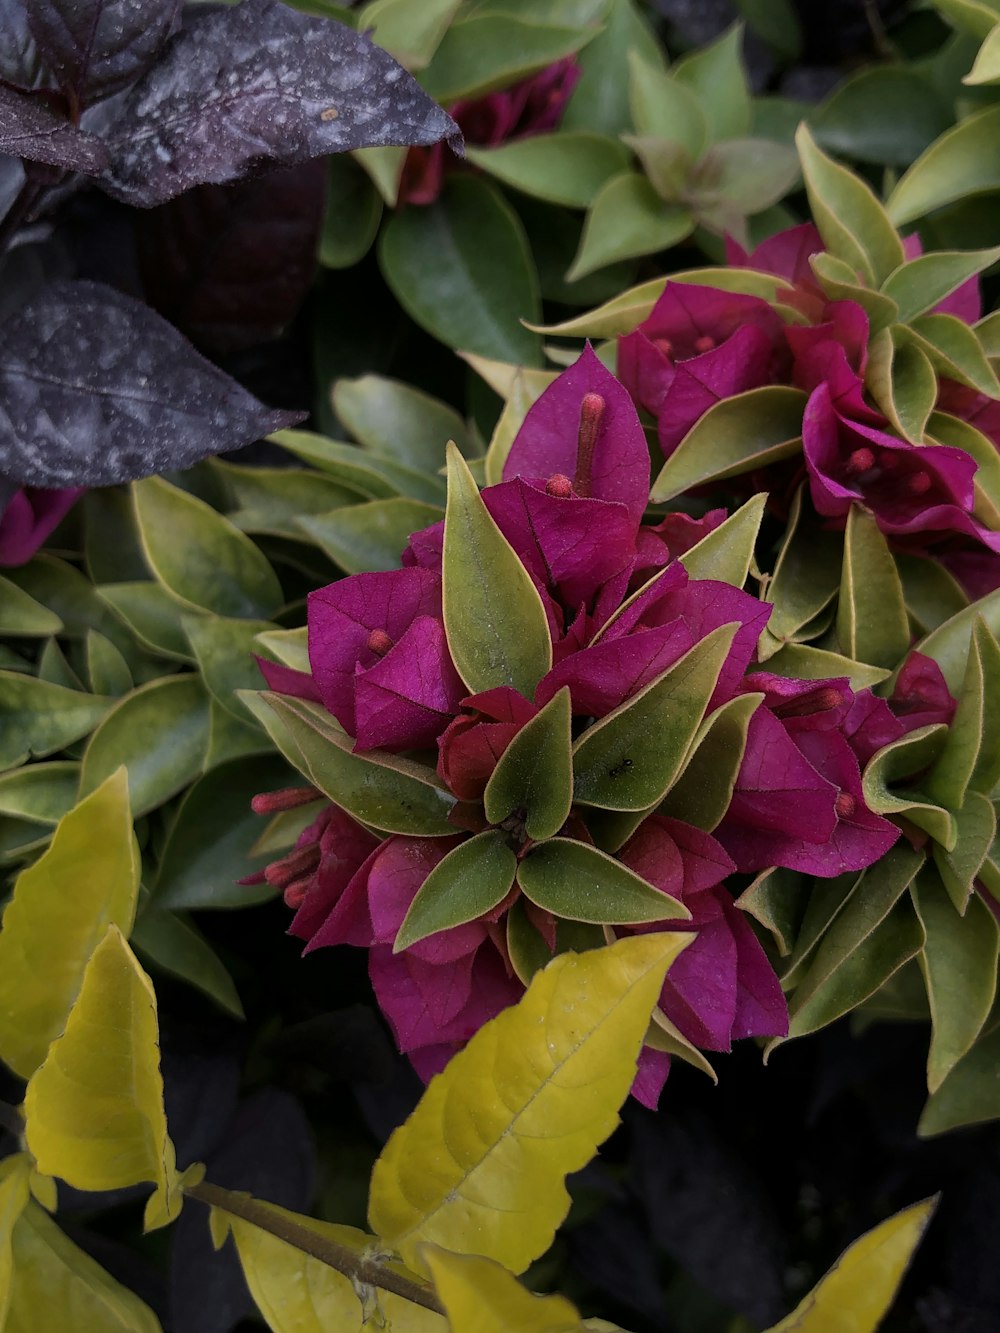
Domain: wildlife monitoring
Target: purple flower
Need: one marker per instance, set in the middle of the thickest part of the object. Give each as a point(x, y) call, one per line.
point(380, 659)
point(30, 516)
point(921, 697)
point(471, 748)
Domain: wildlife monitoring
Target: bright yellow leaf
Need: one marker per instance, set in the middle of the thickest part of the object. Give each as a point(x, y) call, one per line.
point(62, 905)
point(858, 1290)
point(14, 1173)
point(297, 1293)
point(56, 1286)
point(94, 1110)
point(480, 1296)
point(480, 1164)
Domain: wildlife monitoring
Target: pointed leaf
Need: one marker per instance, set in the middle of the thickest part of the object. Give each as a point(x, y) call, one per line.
point(975, 832)
point(393, 418)
point(969, 1094)
point(717, 77)
point(628, 218)
point(494, 618)
point(370, 536)
point(535, 772)
point(840, 282)
point(860, 1287)
point(40, 792)
point(949, 644)
point(30, 130)
point(972, 746)
point(702, 793)
point(909, 756)
point(965, 161)
point(664, 107)
point(471, 880)
point(483, 53)
point(902, 382)
point(580, 883)
point(480, 1296)
point(727, 552)
point(524, 1104)
point(871, 615)
point(60, 910)
point(804, 662)
point(175, 946)
point(14, 1194)
point(630, 759)
point(565, 167)
point(953, 349)
point(411, 34)
point(22, 617)
point(919, 284)
point(38, 717)
point(152, 615)
point(805, 578)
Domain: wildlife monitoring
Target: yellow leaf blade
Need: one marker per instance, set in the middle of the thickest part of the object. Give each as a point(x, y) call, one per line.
point(62, 905)
point(94, 1109)
point(858, 1290)
point(15, 1172)
point(480, 1296)
point(480, 1164)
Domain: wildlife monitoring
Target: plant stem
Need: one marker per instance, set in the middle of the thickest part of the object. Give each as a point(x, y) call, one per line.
point(340, 1257)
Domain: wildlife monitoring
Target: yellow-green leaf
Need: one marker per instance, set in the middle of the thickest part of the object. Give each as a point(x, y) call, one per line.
point(480, 1296)
point(94, 1109)
point(57, 1287)
point(858, 1290)
point(14, 1193)
point(871, 615)
point(493, 616)
point(702, 793)
point(60, 910)
point(725, 554)
point(479, 1166)
point(535, 772)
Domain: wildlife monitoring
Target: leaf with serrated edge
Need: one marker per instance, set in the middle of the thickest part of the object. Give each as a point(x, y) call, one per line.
point(535, 772)
point(480, 1164)
point(60, 909)
point(480, 1296)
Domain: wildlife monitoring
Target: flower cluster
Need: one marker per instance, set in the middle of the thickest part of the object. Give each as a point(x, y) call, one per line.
point(645, 661)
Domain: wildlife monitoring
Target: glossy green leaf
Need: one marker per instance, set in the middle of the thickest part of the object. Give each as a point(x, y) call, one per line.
point(173, 945)
point(702, 793)
point(976, 828)
point(565, 167)
point(60, 909)
point(665, 108)
point(152, 615)
point(872, 625)
point(485, 52)
point(726, 553)
point(965, 161)
point(472, 879)
point(736, 435)
point(852, 222)
point(42, 793)
point(858, 1290)
point(959, 963)
point(390, 793)
point(412, 33)
point(21, 616)
point(716, 76)
point(628, 218)
point(199, 556)
point(535, 773)
point(953, 350)
point(970, 1093)
point(578, 882)
point(369, 536)
point(526, 1102)
point(94, 1112)
point(885, 114)
point(493, 616)
point(223, 648)
point(462, 268)
point(630, 759)
point(39, 718)
point(160, 733)
point(399, 421)
point(59, 1286)
point(901, 380)
point(480, 1296)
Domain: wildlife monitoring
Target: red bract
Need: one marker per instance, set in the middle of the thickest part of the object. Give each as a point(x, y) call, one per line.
point(469, 750)
point(31, 516)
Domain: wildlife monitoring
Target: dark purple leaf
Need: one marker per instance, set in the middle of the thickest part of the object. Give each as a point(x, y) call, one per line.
point(96, 388)
point(18, 53)
point(230, 265)
point(261, 82)
point(96, 47)
point(30, 130)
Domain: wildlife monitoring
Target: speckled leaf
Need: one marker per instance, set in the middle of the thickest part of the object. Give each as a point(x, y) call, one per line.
point(472, 879)
point(578, 882)
point(535, 773)
point(262, 82)
point(28, 129)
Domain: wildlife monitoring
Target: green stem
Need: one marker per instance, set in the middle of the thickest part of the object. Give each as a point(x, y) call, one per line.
point(344, 1260)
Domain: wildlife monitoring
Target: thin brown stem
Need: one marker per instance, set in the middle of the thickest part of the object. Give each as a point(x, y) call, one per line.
point(344, 1260)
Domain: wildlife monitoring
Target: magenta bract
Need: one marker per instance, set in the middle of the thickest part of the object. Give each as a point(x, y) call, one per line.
point(30, 517)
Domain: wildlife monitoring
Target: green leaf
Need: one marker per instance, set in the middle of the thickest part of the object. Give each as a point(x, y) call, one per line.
point(886, 115)
point(93, 1110)
point(59, 911)
point(535, 773)
point(14, 1194)
point(472, 879)
point(172, 944)
point(493, 616)
point(802, 661)
point(288, 646)
point(776, 900)
point(230, 739)
point(953, 350)
point(852, 222)
point(42, 793)
point(412, 33)
point(480, 1296)
point(901, 380)
point(523, 393)
point(963, 162)
point(872, 625)
point(702, 793)
point(977, 17)
point(462, 268)
point(152, 615)
point(932, 594)
point(805, 578)
point(369, 536)
point(666, 108)
point(972, 744)
point(528, 951)
point(269, 500)
point(628, 218)
point(726, 553)
point(840, 282)
point(735, 435)
point(601, 98)
point(160, 733)
point(39, 718)
point(919, 284)
point(630, 758)
point(199, 556)
point(483, 53)
point(526, 1102)
point(945, 429)
point(716, 76)
point(959, 963)
point(372, 475)
point(56, 1285)
point(565, 167)
point(389, 793)
point(976, 828)
point(21, 615)
point(970, 1093)
point(107, 670)
point(210, 843)
point(71, 596)
point(858, 1290)
point(352, 215)
point(902, 759)
point(54, 668)
point(224, 651)
point(580, 883)
point(398, 421)
point(949, 643)
point(986, 69)
point(740, 177)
